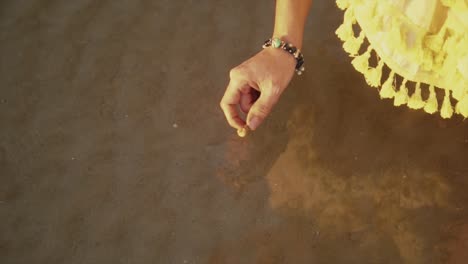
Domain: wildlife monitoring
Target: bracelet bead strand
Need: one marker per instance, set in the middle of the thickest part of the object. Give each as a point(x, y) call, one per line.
point(277, 43)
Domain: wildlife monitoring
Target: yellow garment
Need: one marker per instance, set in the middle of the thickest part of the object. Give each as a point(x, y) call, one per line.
point(423, 41)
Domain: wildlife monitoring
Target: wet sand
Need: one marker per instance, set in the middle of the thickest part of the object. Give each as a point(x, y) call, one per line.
point(113, 148)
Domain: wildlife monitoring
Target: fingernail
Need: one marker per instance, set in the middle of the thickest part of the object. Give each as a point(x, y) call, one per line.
point(254, 123)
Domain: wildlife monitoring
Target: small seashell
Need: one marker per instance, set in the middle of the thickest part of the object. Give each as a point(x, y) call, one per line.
point(243, 131)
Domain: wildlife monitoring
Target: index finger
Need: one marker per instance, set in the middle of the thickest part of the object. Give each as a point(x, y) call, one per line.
point(230, 102)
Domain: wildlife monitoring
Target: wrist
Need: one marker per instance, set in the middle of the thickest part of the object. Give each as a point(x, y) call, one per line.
point(284, 57)
point(281, 44)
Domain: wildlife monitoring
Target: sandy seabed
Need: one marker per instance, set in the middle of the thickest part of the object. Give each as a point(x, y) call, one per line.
point(113, 148)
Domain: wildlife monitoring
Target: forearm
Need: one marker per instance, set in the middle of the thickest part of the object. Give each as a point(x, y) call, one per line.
point(290, 18)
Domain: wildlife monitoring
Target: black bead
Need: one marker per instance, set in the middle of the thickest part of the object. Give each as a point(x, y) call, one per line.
point(299, 64)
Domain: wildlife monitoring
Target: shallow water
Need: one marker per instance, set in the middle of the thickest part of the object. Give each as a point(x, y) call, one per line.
point(113, 148)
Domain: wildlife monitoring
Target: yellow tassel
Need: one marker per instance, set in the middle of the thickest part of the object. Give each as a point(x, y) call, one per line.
point(463, 63)
point(416, 101)
point(458, 91)
point(345, 30)
point(446, 111)
point(462, 106)
point(342, 4)
point(388, 90)
point(361, 62)
point(431, 105)
point(349, 16)
point(401, 97)
point(374, 75)
point(353, 45)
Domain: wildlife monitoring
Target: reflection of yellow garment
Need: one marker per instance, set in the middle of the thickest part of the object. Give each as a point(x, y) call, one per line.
point(423, 41)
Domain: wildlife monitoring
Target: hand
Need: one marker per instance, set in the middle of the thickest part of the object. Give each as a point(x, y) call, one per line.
point(256, 85)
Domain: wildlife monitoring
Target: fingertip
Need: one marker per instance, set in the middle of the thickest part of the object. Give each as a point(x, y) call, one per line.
point(254, 122)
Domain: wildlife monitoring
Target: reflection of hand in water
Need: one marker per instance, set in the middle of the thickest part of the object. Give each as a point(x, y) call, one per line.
point(371, 207)
point(228, 161)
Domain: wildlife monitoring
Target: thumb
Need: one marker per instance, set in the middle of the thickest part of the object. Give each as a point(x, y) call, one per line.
point(261, 109)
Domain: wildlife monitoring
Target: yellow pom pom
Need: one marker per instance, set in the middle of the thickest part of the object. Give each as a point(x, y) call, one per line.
point(342, 4)
point(462, 106)
point(447, 110)
point(431, 105)
point(361, 62)
point(349, 16)
point(458, 91)
point(345, 31)
point(373, 76)
point(401, 97)
point(352, 45)
point(416, 101)
point(388, 90)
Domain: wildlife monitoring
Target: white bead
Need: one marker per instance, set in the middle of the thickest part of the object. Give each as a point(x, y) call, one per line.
point(302, 68)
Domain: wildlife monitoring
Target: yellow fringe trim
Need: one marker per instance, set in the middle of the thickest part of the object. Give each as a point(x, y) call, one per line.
point(345, 31)
point(458, 92)
point(401, 97)
point(431, 105)
point(352, 45)
point(374, 75)
point(432, 55)
point(446, 111)
point(361, 62)
point(342, 4)
point(416, 101)
point(462, 106)
point(388, 90)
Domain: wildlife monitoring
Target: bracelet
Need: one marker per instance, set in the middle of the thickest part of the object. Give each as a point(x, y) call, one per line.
point(280, 44)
